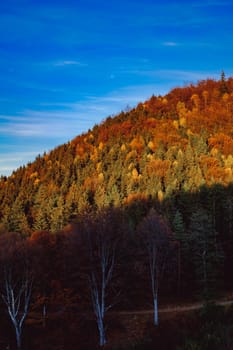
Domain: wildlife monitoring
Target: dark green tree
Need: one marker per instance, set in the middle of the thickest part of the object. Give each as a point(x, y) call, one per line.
point(207, 254)
point(223, 89)
point(183, 251)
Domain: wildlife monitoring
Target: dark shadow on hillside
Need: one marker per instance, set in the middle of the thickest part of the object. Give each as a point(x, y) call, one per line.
point(201, 260)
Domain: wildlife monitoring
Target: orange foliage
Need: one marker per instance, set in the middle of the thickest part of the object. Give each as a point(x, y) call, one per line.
point(222, 142)
point(137, 143)
point(213, 170)
point(158, 167)
point(134, 197)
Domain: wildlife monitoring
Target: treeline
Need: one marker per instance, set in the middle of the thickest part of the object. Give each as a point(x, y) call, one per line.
point(172, 143)
point(116, 259)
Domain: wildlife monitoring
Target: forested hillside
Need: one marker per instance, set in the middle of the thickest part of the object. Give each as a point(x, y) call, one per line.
point(143, 199)
point(167, 145)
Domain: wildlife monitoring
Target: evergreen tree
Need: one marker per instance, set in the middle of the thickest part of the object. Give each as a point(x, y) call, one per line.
point(207, 254)
point(183, 251)
point(223, 85)
point(42, 221)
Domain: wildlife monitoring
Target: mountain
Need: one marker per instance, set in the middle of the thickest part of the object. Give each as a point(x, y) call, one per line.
point(141, 206)
point(178, 143)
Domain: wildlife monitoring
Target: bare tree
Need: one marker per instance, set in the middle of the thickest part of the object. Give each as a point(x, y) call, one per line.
point(155, 234)
point(99, 282)
point(17, 296)
point(102, 258)
point(17, 280)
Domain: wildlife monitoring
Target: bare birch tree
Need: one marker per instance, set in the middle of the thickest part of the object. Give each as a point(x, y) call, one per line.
point(17, 281)
point(99, 281)
point(155, 235)
point(17, 296)
point(102, 258)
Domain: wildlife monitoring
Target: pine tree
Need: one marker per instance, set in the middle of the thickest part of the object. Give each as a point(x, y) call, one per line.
point(183, 249)
point(223, 85)
point(207, 254)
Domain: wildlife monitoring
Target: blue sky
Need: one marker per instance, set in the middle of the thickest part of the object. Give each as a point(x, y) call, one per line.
point(65, 65)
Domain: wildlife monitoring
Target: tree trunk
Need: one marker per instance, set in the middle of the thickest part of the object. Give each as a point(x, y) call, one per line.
point(44, 313)
point(18, 333)
point(102, 339)
point(156, 315)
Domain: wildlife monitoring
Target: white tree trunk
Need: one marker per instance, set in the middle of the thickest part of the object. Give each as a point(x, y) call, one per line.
point(102, 339)
point(17, 299)
point(18, 333)
point(44, 315)
point(156, 314)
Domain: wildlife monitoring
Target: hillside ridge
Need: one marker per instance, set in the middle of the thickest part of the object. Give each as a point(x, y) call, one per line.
point(177, 142)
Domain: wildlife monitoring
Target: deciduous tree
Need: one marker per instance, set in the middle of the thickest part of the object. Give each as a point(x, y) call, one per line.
point(17, 281)
point(155, 233)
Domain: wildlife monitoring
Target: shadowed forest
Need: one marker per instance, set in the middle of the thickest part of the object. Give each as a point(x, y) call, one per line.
point(136, 214)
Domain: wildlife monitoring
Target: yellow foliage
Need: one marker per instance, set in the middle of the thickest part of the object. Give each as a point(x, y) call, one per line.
point(160, 196)
point(46, 157)
point(123, 148)
point(205, 95)
point(137, 143)
point(131, 165)
point(99, 166)
point(225, 97)
point(189, 132)
point(181, 109)
point(151, 146)
point(101, 177)
point(101, 146)
point(182, 121)
point(135, 174)
point(196, 100)
point(158, 167)
point(133, 197)
point(180, 153)
point(229, 161)
point(94, 155)
point(228, 171)
point(176, 124)
point(131, 154)
point(35, 174)
point(36, 182)
point(49, 162)
point(214, 151)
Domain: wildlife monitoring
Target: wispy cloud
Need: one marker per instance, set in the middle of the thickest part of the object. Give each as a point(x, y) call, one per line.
point(66, 120)
point(181, 75)
point(12, 160)
point(170, 43)
point(174, 75)
point(69, 63)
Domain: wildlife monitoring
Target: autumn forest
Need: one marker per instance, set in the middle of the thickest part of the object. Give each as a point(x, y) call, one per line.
point(132, 215)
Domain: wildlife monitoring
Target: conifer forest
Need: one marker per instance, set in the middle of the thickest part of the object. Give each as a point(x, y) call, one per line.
point(102, 235)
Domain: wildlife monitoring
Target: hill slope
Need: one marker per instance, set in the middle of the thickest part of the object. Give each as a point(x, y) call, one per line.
point(168, 145)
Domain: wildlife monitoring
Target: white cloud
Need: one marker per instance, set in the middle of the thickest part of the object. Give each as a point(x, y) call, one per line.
point(12, 160)
point(66, 120)
point(170, 43)
point(68, 63)
point(169, 78)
